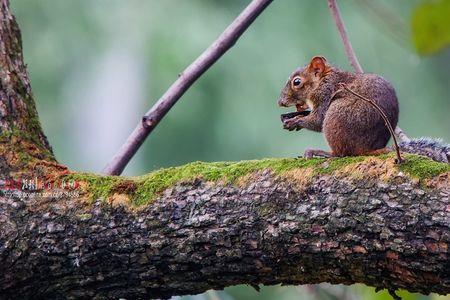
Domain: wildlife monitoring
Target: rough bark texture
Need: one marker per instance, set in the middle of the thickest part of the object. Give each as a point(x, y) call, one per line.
point(204, 235)
point(23, 145)
point(289, 222)
point(17, 109)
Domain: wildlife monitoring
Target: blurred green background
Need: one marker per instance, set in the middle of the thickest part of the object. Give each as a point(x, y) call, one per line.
point(97, 66)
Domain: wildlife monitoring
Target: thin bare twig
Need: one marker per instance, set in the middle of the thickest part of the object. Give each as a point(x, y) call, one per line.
point(383, 115)
point(343, 33)
point(351, 54)
point(221, 45)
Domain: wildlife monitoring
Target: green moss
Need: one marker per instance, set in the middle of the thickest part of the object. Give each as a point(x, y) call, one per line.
point(85, 217)
point(144, 189)
point(25, 125)
point(98, 186)
point(24, 157)
point(150, 185)
point(5, 136)
point(337, 163)
point(18, 146)
point(422, 167)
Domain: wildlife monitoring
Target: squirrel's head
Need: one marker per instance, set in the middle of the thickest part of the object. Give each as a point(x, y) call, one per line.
point(302, 83)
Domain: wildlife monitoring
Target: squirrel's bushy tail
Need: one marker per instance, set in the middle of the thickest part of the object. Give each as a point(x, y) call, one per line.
point(435, 149)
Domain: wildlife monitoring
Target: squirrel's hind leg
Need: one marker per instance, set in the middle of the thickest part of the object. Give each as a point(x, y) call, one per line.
point(310, 153)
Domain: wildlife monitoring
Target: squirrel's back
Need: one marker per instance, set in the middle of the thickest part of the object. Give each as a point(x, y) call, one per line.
point(351, 126)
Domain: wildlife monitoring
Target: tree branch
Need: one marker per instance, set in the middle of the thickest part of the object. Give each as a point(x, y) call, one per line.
point(18, 116)
point(223, 43)
point(256, 222)
point(209, 225)
point(343, 33)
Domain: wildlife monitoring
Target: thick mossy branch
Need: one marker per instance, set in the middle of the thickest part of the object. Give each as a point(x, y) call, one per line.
point(144, 189)
point(187, 229)
point(201, 226)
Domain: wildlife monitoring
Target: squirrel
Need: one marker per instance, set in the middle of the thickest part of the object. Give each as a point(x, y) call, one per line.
point(350, 126)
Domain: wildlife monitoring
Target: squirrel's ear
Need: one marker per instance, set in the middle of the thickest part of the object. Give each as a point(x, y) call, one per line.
point(318, 65)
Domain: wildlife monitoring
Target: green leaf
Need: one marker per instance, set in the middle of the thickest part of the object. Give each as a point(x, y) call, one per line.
point(431, 26)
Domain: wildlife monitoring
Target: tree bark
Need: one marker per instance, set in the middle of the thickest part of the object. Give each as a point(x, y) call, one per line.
point(17, 109)
point(202, 235)
point(207, 226)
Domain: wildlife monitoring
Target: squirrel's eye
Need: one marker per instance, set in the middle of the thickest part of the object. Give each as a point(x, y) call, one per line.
point(296, 81)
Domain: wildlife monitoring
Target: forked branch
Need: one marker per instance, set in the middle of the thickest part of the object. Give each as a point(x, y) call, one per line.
point(343, 33)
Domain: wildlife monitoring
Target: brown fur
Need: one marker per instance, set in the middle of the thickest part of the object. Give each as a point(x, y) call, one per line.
point(350, 125)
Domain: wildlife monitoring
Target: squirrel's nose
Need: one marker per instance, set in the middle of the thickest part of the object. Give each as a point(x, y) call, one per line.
point(282, 101)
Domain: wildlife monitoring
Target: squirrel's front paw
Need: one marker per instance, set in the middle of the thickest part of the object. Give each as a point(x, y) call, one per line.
point(291, 124)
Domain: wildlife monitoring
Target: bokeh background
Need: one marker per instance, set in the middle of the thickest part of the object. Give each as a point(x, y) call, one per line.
point(97, 66)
